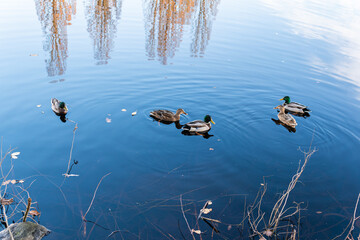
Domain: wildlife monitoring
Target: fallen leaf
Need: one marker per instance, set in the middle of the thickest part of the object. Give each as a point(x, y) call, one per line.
point(196, 231)
point(108, 120)
point(211, 149)
point(206, 210)
point(7, 201)
point(134, 113)
point(123, 110)
point(268, 232)
point(12, 182)
point(70, 175)
point(14, 155)
point(319, 212)
point(262, 184)
point(34, 213)
point(6, 182)
point(38, 105)
point(33, 55)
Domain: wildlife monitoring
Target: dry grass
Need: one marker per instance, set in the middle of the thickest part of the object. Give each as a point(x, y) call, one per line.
point(13, 195)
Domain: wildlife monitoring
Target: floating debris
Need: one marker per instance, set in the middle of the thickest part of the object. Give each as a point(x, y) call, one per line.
point(12, 182)
point(14, 155)
point(33, 55)
point(211, 149)
point(134, 113)
point(6, 201)
point(39, 105)
point(123, 110)
point(108, 120)
point(70, 175)
point(34, 213)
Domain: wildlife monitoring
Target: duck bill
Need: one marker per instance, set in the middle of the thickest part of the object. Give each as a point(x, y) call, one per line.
point(281, 99)
point(212, 121)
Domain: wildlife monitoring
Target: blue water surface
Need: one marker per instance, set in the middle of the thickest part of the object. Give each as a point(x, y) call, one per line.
point(231, 59)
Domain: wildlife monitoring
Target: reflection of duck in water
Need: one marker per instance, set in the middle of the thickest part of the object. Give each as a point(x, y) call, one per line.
point(59, 108)
point(286, 119)
point(295, 108)
point(198, 127)
point(278, 122)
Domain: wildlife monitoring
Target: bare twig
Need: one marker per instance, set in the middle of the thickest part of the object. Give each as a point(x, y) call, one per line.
point(187, 223)
point(92, 201)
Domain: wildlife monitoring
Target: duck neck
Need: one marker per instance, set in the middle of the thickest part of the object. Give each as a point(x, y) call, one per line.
point(177, 114)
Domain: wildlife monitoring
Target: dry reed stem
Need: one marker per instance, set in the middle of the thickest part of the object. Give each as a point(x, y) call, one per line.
point(92, 201)
point(351, 224)
point(7, 223)
point(187, 223)
point(71, 149)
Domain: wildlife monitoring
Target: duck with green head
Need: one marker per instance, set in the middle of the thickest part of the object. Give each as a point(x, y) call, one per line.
point(294, 107)
point(58, 107)
point(199, 126)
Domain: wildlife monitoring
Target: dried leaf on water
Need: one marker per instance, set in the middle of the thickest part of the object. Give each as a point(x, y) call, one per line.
point(6, 201)
point(33, 55)
point(211, 149)
point(206, 210)
point(14, 155)
point(108, 120)
point(70, 175)
point(196, 231)
point(39, 105)
point(123, 110)
point(12, 182)
point(34, 213)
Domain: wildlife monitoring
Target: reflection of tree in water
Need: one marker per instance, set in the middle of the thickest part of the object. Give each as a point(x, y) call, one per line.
point(54, 16)
point(204, 15)
point(164, 24)
point(102, 16)
point(164, 21)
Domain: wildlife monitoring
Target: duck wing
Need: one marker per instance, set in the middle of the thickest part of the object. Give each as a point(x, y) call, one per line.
point(55, 104)
point(296, 107)
point(164, 115)
point(197, 126)
point(287, 119)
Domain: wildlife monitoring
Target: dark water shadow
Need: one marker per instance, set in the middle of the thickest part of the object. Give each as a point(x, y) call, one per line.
point(61, 116)
point(303, 115)
point(177, 123)
point(278, 122)
point(205, 135)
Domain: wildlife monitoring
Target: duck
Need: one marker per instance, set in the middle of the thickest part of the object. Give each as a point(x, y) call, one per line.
point(285, 118)
point(199, 126)
point(167, 116)
point(294, 107)
point(58, 107)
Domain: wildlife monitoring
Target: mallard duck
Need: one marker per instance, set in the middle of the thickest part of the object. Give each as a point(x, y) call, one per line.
point(287, 119)
point(199, 126)
point(58, 107)
point(294, 107)
point(166, 115)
